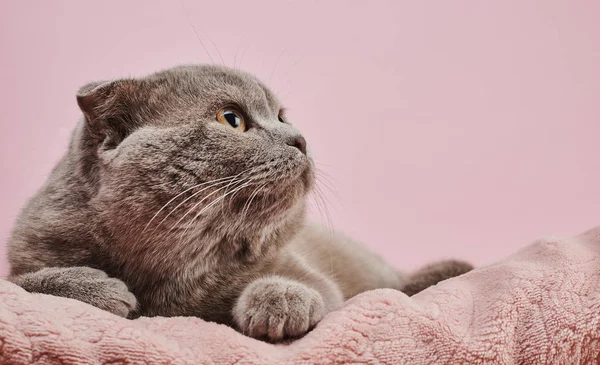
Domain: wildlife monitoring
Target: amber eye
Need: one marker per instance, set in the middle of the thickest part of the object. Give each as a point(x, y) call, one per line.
point(281, 118)
point(232, 118)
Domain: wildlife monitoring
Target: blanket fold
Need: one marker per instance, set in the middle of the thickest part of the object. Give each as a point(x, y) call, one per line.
point(538, 306)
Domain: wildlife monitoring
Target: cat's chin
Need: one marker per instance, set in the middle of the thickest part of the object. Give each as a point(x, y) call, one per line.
point(297, 190)
point(275, 198)
point(298, 185)
point(299, 179)
point(307, 178)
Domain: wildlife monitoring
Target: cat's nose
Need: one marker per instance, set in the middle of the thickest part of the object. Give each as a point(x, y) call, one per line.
point(299, 142)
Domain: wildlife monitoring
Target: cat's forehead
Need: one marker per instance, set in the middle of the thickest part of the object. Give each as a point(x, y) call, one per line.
point(214, 84)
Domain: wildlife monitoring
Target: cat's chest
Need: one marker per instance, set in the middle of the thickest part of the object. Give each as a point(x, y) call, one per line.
point(208, 295)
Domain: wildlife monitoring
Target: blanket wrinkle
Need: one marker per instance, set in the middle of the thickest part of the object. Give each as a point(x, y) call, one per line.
point(540, 305)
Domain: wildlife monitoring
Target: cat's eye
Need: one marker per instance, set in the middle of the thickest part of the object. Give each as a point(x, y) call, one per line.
point(231, 117)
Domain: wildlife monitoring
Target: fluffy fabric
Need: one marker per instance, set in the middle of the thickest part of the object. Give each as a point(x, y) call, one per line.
point(539, 306)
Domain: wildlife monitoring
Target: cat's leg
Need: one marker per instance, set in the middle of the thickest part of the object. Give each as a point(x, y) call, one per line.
point(85, 284)
point(432, 274)
point(287, 303)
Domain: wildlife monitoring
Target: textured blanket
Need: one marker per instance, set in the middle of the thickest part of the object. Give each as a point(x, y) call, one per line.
point(539, 306)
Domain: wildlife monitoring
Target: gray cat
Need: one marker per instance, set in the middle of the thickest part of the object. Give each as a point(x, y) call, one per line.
point(184, 194)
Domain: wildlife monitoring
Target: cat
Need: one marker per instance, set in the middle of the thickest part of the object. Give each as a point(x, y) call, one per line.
point(183, 193)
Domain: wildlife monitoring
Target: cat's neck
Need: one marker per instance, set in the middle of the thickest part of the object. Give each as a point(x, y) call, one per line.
point(208, 250)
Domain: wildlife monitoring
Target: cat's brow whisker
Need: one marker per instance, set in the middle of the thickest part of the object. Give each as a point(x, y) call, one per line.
point(195, 31)
point(275, 67)
point(216, 48)
point(237, 52)
point(243, 54)
point(177, 196)
point(284, 76)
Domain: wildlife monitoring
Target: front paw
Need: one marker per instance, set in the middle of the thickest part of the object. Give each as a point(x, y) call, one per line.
point(276, 308)
point(85, 284)
point(109, 294)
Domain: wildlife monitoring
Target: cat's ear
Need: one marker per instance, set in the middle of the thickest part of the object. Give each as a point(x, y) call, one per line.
point(98, 100)
point(107, 107)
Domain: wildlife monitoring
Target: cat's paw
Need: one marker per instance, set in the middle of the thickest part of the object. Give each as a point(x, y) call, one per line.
point(275, 308)
point(85, 284)
point(109, 294)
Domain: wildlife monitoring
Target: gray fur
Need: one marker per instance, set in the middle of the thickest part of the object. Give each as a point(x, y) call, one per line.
point(85, 284)
point(249, 261)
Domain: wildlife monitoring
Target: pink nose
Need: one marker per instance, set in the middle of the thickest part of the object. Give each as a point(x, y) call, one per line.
point(298, 142)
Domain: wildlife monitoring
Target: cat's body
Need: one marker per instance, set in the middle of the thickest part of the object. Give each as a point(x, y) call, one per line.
point(161, 208)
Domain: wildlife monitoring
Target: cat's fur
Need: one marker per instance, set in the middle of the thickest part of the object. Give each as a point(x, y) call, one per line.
point(249, 261)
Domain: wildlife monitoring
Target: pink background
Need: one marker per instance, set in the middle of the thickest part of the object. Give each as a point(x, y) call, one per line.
point(450, 128)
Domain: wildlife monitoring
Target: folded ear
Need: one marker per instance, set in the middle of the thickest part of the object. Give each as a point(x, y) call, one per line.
point(94, 97)
point(107, 107)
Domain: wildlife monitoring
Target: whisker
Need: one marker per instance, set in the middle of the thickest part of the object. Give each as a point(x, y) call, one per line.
point(252, 196)
point(195, 31)
point(325, 175)
point(324, 201)
point(327, 185)
point(247, 200)
point(195, 206)
point(216, 200)
point(323, 195)
point(267, 178)
point(251, 182)
point(275, 66)
point(189, 198)
point(232, 181)
point(324, 180)
point(215, 46)
point(243, 54)
point(317, 205)
point(212, 204)
point(284, 76)
point(178, 195)
point(322, 164)
point(237, 51)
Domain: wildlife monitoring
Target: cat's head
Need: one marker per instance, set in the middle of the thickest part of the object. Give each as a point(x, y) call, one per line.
point(193, 154)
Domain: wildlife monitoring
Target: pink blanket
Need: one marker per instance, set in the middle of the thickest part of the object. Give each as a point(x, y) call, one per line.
point(539, 306)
